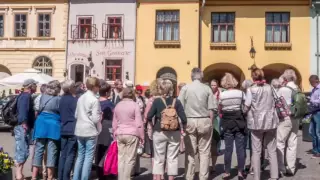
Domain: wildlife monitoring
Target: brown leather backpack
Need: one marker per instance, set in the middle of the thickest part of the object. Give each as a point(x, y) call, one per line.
point(169, 117)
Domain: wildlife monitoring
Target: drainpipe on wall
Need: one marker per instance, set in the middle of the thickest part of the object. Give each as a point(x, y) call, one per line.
point(317, 29)
point(135, 44)
point(67, 42)
point(200, 34)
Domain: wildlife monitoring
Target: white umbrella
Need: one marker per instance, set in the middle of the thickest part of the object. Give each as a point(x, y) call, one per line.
point(34, 74)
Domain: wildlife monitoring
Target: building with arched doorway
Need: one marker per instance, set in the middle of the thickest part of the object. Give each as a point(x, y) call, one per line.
point(101, 43)
point(272, 28)
point(33, 35)
point(171, 51)
point(170, 35)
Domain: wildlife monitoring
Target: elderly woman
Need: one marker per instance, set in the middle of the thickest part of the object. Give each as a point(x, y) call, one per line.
point(32, 147)
point(47, 130)
point(155, 93)
point(262, 121)
point(246, 84)
point(88, 114)
point(67, 108)
point(166, 143)
point(287, 132)
point(233, 123)
point(105, 137)
point(128, 129)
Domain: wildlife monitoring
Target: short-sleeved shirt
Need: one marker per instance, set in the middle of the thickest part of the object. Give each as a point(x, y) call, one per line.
point(286, 92)
point(262, 114)
point(231, 100)
point(197, 99)
point(49, 104)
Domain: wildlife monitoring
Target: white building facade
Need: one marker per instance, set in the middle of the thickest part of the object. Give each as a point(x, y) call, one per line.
point(101, 40)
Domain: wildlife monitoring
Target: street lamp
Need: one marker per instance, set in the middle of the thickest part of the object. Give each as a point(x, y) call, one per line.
point(252, 52)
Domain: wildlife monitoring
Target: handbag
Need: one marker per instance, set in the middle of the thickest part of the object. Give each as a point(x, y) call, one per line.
point(282, 108)
point(111, 161)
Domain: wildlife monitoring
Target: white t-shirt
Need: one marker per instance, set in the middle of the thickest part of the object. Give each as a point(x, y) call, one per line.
point(231, 99)
point(286, 92)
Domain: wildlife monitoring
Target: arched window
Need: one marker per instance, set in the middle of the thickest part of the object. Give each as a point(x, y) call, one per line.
point(43, 64)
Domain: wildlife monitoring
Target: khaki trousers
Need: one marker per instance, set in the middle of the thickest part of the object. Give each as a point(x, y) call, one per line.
point(166, 143)
point(269, 138)
point(198, 140)
point(127, 155)
point(287, 133)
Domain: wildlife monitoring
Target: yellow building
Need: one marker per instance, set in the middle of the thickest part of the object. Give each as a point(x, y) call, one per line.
point(161, 53)
point(33, 35)
point(278, 31)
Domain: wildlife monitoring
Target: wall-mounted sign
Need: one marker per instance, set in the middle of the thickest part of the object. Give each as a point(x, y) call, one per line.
point(110, 53)
point(78, 54)
point(104, 53)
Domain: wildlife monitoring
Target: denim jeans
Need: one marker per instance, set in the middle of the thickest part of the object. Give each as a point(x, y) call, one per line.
point(314, 131)
point(52, 152)
point(67, 156)
point(229, 138)
point(22, 144)
point(86, 147)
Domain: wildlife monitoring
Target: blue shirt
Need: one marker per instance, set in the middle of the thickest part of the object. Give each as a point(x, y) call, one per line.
point(67, 108)
point(315, 99)
point(48, 121)
point(25, 109)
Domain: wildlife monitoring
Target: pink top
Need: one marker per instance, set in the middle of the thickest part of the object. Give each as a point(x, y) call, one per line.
point(127, 119)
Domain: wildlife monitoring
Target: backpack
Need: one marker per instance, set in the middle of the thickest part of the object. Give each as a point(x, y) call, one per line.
point(299, 107)
point(169, 117)
point(9, 112)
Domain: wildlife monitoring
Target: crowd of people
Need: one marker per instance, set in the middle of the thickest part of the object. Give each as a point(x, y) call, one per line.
point(72, 131)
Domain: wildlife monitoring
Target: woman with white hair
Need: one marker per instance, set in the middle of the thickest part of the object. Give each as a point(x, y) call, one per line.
point(288, 128)
point(166, 143)
point(67, 108)
point(262, 121)
point(233, 123)
point(47, 130)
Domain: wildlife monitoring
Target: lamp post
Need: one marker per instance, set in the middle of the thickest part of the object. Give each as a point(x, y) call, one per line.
point(252, 53)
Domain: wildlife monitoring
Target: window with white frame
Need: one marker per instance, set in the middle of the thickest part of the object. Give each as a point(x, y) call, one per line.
point(113, 69)
point(43, 64)
point(20, 25)
point(44, 25)
point(114, 27)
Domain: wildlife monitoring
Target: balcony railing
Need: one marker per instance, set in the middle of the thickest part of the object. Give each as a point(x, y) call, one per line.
point(112, 32)
point(84, 32)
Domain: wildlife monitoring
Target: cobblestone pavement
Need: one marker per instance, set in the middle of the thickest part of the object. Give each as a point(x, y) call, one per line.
point(308, 168)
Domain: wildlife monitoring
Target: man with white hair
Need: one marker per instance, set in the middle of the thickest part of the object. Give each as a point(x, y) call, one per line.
point(288, 128)
point(199, 103)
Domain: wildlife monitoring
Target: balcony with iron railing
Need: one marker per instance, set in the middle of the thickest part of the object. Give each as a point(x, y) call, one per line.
point(112, 32)
point(84, 32)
